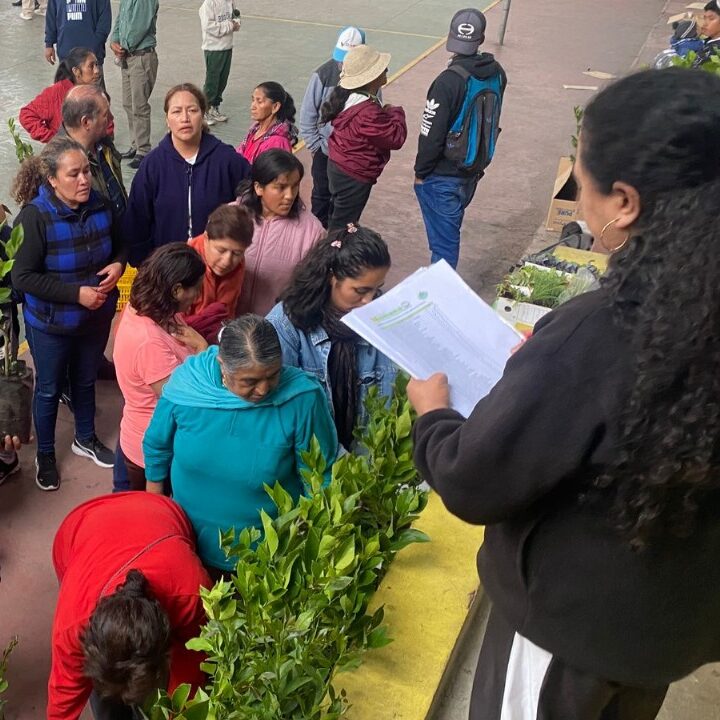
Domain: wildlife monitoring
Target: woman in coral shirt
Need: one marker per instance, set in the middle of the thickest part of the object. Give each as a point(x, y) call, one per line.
point(152, 340)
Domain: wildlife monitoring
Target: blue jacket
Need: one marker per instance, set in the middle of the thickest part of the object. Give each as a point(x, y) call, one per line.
point(64, 249)
point(219, 449)
point(310, 351)
point(84, 23)
point(158, 212)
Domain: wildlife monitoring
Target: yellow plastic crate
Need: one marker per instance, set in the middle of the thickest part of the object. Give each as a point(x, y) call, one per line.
point(124, 285)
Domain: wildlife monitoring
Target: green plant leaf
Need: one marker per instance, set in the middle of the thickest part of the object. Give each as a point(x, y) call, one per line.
point(339, 583)
point(271, 537)
point(345, 555)
point(407, 537)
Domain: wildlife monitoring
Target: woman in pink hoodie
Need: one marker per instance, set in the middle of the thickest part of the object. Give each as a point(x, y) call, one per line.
point(364, 133)
point(273, 112)
point(284, 230)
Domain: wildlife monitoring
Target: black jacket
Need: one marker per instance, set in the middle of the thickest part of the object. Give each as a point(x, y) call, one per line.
point(444, 102)
point(551, 563)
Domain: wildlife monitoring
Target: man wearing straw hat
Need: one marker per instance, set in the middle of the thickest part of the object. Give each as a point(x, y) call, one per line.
point(315, 134)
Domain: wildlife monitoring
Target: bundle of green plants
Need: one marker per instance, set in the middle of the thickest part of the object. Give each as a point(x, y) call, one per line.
point(3, 669)
point(711, 65)
point(533, 285)
point(296, 611)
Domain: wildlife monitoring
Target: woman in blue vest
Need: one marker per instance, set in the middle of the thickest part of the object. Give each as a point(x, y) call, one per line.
point(67, 268)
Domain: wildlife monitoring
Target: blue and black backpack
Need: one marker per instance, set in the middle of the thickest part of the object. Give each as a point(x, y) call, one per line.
point(470, 143)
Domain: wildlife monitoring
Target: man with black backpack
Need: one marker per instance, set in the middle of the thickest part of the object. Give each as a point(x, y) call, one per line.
point(458, 132)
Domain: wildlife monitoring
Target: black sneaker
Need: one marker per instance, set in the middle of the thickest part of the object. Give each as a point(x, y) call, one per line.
point(96, 451)
point(7, 468)
point(46, 477)
point(135, 162)
point(129, 154)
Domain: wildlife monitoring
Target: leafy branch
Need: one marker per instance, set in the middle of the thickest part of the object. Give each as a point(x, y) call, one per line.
point(3, 669)
point(10, 248)
point(22, 149)
point(296, 610)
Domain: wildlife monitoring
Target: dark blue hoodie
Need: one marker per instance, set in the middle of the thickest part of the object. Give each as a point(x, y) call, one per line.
point(83, 23)
point(157, 211)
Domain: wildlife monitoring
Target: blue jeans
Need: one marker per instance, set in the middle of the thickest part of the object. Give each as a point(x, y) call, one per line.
point(58, 358)
point(443, 200)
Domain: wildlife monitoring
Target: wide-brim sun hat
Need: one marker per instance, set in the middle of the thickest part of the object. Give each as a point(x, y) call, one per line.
point(362, 65)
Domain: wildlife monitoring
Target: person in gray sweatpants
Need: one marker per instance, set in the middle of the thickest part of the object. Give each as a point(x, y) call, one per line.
point(133, 41)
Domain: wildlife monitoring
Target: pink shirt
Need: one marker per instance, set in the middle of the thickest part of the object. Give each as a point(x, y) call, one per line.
point(143, 354)
point(278, 245)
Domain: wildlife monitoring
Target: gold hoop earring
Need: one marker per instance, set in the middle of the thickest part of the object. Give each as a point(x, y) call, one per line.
point(602, 238)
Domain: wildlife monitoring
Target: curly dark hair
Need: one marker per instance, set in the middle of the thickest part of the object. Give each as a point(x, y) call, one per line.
point(342, 254)
point(127, 643)
point(657, 131)
point(151, 294)
point(26, 183)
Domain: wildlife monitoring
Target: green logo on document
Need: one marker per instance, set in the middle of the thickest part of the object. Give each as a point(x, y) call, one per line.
point(423, 295)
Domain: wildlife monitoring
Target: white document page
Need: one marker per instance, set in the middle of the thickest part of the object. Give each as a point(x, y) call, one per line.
point(433, 322)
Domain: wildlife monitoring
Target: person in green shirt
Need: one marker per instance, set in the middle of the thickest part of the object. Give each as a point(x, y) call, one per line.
point(230, 420)
point(133, 41)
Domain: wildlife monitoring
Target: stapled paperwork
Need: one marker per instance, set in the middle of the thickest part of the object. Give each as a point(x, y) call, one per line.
point(433, 322)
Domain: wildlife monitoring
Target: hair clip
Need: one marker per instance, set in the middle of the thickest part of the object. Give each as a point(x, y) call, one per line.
point(336, 244)
point(352, 228)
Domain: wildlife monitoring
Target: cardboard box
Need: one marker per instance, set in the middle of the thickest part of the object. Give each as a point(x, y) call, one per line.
point(564, 206)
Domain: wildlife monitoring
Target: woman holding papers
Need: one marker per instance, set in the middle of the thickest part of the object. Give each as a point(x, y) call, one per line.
point(595, 461)
point(343, 271)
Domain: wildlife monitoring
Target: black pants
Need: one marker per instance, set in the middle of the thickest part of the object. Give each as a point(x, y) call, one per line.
point(104, 709)
point(349, 197)
point(516, 680)
point(321, 199)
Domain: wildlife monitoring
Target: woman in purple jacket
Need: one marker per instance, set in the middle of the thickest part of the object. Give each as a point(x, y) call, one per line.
point(181, 181)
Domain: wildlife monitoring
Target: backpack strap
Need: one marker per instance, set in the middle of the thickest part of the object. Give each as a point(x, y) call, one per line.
point(461, 71)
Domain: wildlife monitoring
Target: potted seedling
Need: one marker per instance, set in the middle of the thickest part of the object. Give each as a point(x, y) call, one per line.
point(16, 378)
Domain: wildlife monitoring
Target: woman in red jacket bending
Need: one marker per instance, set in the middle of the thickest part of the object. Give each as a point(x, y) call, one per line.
point(42, 117)
point(364, 133)
point(128, 603)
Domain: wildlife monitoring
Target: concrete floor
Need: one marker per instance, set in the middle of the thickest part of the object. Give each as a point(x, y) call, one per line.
point(548, 44)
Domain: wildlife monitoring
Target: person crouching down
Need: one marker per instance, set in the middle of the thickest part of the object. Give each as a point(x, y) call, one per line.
point(128, 603)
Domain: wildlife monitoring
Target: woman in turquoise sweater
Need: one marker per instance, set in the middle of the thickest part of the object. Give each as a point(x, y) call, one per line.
point(229, 420)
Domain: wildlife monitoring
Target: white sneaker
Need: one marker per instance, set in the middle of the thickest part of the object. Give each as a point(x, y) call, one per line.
point(40, 11)
point(209, 119)
point(217, 116)
point(26, 15)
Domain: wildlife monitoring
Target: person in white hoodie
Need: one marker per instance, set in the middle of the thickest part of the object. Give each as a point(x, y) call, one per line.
point(219, 19)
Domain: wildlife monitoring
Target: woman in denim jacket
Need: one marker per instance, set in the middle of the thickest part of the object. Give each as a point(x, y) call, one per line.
point(342, 272)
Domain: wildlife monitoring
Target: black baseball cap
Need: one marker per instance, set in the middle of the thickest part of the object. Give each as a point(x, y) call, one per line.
point(467, 32)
